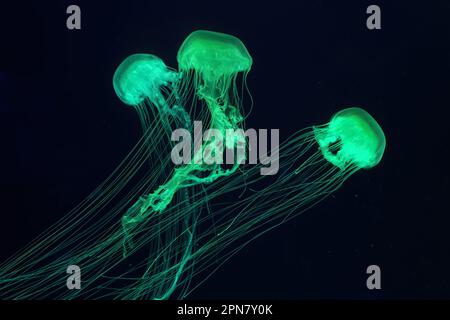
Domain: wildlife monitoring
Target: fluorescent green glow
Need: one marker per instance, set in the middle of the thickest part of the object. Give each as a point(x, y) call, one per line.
point(141, 76)
point(352, 137)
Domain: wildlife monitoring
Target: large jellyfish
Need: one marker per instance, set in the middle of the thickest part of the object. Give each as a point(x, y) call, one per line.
point(212, 61)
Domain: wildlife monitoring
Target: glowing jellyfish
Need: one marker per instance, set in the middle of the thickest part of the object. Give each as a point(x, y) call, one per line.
point(176, 245)
point(141, 80)
point(352, 138)
point(210, 61)
point(141, 76)
point(144, 82)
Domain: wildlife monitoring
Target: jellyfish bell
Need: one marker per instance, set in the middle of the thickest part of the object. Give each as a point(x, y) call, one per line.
point(352, 138)
point(214, 59)
point(142, 76)
point(213, 54)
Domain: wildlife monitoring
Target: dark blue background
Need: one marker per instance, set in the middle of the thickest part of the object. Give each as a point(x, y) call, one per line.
point(63, 130)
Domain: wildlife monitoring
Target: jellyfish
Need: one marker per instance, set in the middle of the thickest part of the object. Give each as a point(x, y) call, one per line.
point(144, 82)
point(211, 62)
point(160, 232)
point(352, 137)
point(141, 80)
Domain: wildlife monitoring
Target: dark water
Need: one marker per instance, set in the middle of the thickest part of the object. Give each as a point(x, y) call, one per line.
point(63, 130)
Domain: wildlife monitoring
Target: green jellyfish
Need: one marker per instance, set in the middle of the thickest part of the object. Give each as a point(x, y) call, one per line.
point(352, 138)
point(144, 82)
point(211, 62)
point(141, 76)
point(141, 80)
point(181, 234)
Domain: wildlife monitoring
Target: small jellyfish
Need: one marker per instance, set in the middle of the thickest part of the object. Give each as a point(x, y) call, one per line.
point(352, 138)
point(142, 81)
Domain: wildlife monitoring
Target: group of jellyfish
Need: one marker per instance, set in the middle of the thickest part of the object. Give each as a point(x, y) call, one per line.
point(155, 230)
